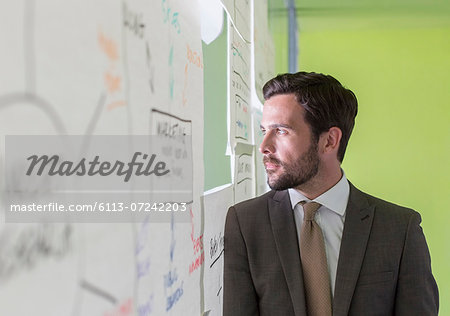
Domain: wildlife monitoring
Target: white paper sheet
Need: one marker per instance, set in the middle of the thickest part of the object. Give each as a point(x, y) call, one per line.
point(239, 13)
point(244, 172)
point(216, 204)
point(264, 50)
point(260, 171)
point(239, 90)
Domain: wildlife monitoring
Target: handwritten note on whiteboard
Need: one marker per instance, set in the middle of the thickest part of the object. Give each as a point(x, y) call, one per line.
point(244, 172)
point(239, 90)
point(260, 172)
point(216, 204)
point(263, 47)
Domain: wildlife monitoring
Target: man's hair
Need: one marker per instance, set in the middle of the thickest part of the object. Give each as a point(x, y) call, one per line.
point(326, 102)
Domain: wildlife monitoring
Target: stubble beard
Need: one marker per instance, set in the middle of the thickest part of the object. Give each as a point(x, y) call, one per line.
point(294, 174)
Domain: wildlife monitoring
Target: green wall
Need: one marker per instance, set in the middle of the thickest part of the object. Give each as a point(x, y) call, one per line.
point(400, 147)
point(217, 165)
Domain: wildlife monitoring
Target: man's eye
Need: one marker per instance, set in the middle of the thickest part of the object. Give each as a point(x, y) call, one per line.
point(281, 131)
point(263, 131)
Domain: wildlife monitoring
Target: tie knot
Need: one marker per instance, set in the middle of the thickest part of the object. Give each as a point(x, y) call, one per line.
point(309, 209)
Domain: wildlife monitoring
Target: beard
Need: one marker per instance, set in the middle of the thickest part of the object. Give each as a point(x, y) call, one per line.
point(296, 173)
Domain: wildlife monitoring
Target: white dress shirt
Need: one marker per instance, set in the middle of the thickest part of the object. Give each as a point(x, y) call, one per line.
point(330, 217)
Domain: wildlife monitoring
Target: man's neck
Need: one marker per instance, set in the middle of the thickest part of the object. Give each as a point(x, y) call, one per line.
point(320, 183)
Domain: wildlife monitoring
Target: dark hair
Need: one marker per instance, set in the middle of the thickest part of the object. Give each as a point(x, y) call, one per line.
point(326, 102)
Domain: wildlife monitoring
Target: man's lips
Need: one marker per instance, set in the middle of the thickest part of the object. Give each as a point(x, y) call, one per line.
point(271, 163)
point(271, 166)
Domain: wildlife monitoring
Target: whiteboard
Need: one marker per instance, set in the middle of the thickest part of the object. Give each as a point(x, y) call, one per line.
point(102, 68)
point(120, 68)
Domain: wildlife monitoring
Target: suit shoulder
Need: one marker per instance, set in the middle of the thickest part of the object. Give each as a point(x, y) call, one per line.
point(255, 203)
point(388, 208)
point(251, 218)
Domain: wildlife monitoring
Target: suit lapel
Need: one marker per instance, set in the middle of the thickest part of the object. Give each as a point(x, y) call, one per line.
point(358, 223)
point(285, 235)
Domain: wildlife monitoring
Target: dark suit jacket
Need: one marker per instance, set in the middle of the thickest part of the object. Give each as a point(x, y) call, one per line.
point(383, 266)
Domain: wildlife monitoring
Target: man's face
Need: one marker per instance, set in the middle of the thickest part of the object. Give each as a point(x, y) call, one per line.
point(290, 155)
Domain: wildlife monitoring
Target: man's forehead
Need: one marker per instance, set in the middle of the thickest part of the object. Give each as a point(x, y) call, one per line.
point(282, 110)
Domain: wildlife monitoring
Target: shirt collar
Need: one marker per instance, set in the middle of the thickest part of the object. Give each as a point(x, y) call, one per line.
point(335, 199)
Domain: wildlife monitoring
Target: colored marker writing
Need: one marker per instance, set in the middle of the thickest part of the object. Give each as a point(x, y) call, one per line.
point(146, 308)
point(124, 309)
point(143, 268)
point(175, 297)
point(216, 244)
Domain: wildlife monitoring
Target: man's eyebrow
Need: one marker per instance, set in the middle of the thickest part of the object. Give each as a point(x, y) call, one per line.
point(278, 125)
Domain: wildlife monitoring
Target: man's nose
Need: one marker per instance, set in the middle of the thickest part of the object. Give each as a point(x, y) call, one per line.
point(267, 145)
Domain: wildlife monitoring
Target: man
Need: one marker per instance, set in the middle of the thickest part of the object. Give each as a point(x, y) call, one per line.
point(314, 244)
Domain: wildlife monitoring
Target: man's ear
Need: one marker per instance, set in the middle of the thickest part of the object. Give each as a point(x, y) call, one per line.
point(331, 140)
